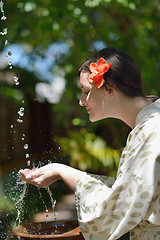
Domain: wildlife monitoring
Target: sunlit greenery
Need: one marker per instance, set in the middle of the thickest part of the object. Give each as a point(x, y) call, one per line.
point(90, 153)
point(6, 203)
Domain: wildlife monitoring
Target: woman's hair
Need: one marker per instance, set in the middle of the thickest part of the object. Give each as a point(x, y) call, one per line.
point(123, 74)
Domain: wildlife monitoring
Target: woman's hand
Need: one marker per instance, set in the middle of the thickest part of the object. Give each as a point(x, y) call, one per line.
point(48, 174)
point(41, 177)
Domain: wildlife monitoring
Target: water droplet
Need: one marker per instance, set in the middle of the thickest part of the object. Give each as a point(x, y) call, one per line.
point(23, 135)
point(21, 113)
point(46, 210)
point(11, 126)
point(28, 163)
point(4, 32)
point(46, 216)
point(16, 80)
point(23, 139)
point(9, 52)
point(19, 120)
point(3, 18)
point(6, 42)
point(1, 5)
point(27, 155)
point(26, 146)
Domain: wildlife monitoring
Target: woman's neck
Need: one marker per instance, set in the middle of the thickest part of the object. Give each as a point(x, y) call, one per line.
point(130, 107)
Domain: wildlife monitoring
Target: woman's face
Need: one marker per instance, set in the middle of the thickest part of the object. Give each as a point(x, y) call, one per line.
point(97, 101)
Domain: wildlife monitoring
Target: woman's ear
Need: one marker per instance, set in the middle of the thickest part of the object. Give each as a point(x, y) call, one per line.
point(111, 90)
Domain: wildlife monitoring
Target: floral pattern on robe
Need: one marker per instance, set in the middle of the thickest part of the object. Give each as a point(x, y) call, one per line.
point(108, 209)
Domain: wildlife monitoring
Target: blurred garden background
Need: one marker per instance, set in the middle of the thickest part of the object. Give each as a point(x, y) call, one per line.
point(41, 121)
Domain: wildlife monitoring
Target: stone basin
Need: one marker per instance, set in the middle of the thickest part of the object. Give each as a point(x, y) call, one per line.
point(66, 230)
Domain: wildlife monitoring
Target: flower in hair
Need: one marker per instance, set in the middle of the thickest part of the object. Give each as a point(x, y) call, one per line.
point(97, 71)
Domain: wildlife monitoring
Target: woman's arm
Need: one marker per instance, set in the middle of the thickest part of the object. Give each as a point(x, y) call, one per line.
point(48, 174)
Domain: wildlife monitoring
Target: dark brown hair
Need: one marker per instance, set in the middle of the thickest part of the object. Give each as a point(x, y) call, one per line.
point(123, 74)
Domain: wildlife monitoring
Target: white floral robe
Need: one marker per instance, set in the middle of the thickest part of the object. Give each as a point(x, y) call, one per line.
point(108, 209)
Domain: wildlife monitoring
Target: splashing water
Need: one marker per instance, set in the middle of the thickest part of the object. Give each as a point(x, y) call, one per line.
point(19, 191)
point(2, 10)
point(53, 201)
point(4, 32)
point(19, 204)
point(16, 189)
point(46, 209)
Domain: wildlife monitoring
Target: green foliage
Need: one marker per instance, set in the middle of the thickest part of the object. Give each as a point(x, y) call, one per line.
point(86, 26)
point(11, 93)
point(6, 204)
point(90, 153)
point(7, 215)
point(130, 25)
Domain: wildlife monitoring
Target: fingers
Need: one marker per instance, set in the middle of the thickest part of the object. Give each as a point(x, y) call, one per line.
point(24, 172)
point(40, 177)
point(33, 177)
point(29, 174)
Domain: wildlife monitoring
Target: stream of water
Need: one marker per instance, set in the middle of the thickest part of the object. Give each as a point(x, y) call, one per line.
point(19, 201)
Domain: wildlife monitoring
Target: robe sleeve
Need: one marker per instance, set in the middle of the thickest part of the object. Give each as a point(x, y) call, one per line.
point(107, 211)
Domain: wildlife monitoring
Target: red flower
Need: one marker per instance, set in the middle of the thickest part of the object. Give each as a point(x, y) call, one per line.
point(98, 69)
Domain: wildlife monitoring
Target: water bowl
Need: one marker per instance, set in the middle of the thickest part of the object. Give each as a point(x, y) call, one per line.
point(67, 230)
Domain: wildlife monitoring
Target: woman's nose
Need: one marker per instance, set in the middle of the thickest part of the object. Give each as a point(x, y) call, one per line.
point(82, 102)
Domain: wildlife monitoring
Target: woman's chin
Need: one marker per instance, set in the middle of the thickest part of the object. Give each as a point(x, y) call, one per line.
point(93, 119)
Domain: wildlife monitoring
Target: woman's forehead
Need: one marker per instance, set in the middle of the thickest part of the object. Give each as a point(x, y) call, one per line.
point(84, 79)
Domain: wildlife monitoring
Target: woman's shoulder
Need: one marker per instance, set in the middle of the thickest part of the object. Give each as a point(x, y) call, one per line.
point(148, 119)
point(151, 111)
point(149, 126)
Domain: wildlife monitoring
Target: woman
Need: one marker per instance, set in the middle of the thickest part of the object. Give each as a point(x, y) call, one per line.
point(107, 209)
